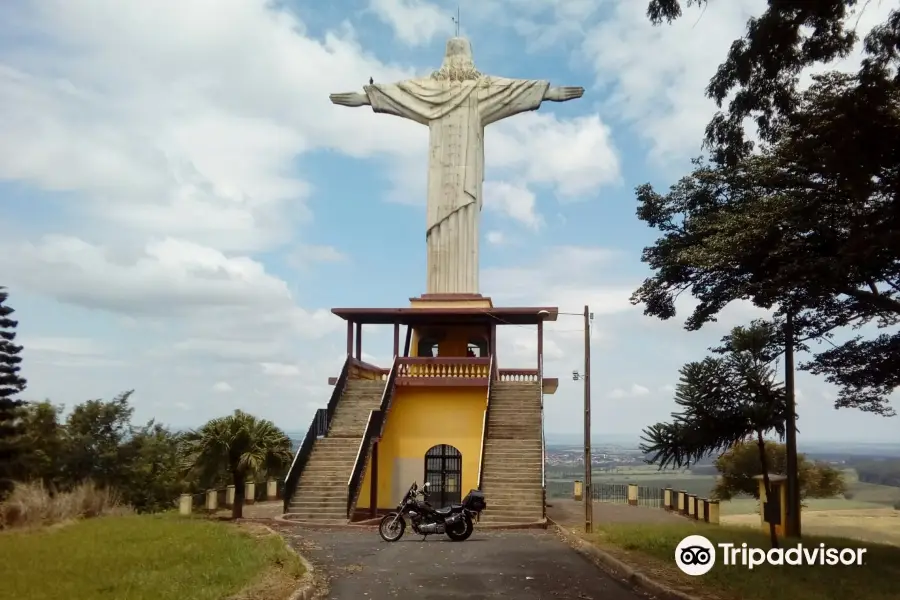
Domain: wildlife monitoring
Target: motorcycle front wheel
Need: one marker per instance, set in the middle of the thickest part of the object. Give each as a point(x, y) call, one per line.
point(391, 527)
point(461, 531)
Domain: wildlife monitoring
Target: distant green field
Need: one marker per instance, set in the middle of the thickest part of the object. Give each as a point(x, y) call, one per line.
point(861, 495)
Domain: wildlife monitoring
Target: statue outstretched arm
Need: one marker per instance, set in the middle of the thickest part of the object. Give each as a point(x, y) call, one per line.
point(563, 94)
point(352, 99)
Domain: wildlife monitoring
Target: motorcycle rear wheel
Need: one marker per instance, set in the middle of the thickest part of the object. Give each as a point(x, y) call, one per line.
point(389, 530)
point(461, 531)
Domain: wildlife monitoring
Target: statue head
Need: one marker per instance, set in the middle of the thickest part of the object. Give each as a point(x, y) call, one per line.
point(458, 63)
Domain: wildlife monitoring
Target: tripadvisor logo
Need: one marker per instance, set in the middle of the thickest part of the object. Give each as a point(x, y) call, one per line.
point(696, 555)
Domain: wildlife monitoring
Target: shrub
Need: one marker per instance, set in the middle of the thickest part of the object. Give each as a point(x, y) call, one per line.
point(33, 505)
point(849, 495)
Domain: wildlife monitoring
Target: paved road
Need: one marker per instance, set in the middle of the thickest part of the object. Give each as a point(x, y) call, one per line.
point(525, 565)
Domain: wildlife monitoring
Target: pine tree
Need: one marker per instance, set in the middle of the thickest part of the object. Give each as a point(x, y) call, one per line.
point(11, 385)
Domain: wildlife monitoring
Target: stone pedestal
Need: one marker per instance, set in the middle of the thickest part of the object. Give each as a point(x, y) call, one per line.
point(185, 504)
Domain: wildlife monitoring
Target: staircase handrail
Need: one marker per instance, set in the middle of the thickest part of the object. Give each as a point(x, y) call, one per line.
point(365, 447)
point(320, 423)
point(374, 430)
point(484, 423)
point(387, 397)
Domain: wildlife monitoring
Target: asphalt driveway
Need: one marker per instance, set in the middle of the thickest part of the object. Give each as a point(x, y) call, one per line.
point(524, 564)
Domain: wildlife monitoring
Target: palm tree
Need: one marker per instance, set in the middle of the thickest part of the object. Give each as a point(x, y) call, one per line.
point(725, 401)
point(240, 445)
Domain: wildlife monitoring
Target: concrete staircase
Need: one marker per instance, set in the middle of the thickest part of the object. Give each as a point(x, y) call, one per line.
point(321, 494)
point(511, 480)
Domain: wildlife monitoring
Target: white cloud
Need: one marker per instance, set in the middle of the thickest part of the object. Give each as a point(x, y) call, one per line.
point(72, 346)
point(634, 391)
point(166, 276)
point(496, 238)
point(667, 389)
point(415, 22)
point(222, 387)
point(280, 369)
point(516, 202)
point(308, 254)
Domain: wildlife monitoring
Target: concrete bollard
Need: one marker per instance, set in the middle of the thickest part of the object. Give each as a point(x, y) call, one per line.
point(272, 490)
point(229, 496)
point(212, 500)
point(578, 490)
point(687, 504)
point(249, 492)
point(682, 501)
point(695, 506)
point(632, 494)
point(713, 512)
point(185, 504)
point(667, 499)
point(704, 510)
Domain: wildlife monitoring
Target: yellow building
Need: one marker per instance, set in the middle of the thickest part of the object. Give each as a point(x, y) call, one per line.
point(444, 412)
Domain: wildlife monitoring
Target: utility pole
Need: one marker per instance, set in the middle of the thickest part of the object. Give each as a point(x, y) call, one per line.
point(588, 491)
point(792, 526)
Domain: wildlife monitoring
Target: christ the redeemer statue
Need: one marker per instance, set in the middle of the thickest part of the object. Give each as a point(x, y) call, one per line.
point(456, 103)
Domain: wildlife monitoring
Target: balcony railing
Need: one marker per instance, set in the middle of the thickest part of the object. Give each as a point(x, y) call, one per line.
point(417, 370)
point(522, 375)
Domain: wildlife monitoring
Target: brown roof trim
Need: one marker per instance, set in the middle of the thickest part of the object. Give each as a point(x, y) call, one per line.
point(519, 315)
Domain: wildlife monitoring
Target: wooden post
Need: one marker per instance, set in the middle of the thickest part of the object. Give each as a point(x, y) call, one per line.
point(396, 339)
point(408, 340)
point(359, 341)
point(349, 337)
point(373, 484)
point(540, 344)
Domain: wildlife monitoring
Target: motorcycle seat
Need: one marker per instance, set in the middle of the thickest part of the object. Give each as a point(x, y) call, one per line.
point(449, 509)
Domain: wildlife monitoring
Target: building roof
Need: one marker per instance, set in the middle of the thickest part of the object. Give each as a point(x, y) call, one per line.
point(457, 316)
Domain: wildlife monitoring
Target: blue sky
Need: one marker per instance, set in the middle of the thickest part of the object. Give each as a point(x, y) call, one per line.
point(183, 205)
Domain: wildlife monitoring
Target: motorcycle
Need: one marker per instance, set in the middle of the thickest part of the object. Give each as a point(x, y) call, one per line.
point(457, 521)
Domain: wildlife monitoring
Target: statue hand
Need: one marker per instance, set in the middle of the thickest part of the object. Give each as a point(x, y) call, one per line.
point(352, 99)
point(562, 94)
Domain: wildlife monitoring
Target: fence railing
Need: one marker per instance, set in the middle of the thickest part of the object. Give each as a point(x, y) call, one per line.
point(520, 375)
point(212, 500)
point(668, 499)
point(416, 368)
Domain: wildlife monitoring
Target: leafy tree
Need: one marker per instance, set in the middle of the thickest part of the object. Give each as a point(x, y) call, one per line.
point(11, 385)
point(738, 465)
point(761, 72)
point(240, 444)
point(724, 401)
point(43, 445)
point(808, 225)
point(151, 476)
point(95, 434)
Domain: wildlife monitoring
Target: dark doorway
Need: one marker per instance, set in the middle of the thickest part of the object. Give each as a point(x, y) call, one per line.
point(443, 472)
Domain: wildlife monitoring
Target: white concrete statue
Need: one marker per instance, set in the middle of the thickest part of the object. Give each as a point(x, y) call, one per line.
point(456, 103)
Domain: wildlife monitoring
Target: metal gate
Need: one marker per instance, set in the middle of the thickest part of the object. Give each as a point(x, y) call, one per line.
point(443, 472)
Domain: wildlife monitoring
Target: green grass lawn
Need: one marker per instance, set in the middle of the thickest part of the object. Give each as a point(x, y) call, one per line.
point(651, 549)
point(158, 557)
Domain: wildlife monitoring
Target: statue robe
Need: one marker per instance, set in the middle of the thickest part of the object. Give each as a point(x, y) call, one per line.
point(456, 113)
